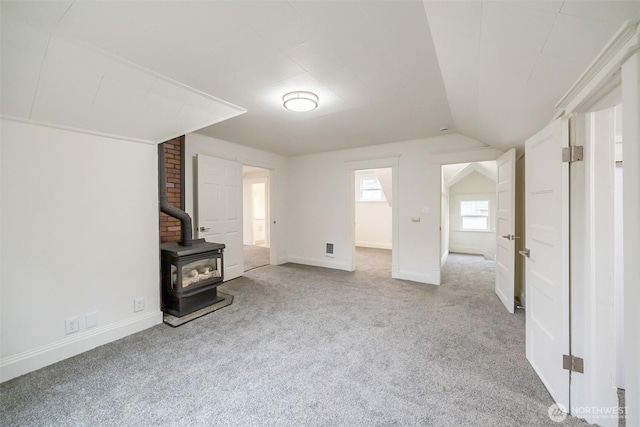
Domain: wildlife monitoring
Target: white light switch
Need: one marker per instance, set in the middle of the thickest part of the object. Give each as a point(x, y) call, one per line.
point(415, 219)
point(425, 210)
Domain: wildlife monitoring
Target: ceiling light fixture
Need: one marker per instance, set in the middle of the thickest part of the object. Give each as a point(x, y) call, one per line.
point(300, 101)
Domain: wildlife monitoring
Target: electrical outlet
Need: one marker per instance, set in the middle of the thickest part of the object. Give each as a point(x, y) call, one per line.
point(71, 325)
point(91, 319)
point(138, 304)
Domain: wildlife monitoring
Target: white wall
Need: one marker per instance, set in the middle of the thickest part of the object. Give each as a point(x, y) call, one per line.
point(474, 185)
point(374, 219)
point(320, 197)
point(196, 143)
point(79, 234)
point(444, 220)
point(373, 225)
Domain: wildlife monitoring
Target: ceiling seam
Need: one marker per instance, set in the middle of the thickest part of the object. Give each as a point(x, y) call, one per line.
point(477, 106)
point(544, 45)
point(93, 102)
point(35, 93)
point(64, 14)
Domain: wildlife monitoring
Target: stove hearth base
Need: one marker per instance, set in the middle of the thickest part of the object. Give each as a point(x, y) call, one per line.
point(225, 300)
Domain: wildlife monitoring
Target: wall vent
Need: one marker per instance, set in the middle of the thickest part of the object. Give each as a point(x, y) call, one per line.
point(329, 250)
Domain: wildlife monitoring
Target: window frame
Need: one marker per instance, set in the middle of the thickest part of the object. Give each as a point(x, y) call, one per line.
point(456, 216)
point(360, 178)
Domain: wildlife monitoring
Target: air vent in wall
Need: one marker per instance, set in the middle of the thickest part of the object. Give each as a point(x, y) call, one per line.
point(329, 250)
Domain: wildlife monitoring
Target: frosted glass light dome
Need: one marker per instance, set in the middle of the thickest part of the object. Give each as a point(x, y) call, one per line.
point(300, 101)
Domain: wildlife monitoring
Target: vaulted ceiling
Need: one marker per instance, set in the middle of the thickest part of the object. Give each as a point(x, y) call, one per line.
point(385, 71)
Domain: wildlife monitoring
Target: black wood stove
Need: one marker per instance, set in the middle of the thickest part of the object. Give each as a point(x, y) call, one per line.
point(191, 269)
point(190, 276)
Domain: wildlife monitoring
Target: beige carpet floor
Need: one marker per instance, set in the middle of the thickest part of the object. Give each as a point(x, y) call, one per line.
point(307, 346)
point(255, 256)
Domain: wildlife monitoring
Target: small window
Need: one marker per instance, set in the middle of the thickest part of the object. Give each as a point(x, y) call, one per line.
point(370, 190)
point(475, 215)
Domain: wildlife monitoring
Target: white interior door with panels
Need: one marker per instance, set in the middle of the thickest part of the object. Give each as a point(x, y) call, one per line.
point(219, 209)
point(506, 226)
point(547, 252)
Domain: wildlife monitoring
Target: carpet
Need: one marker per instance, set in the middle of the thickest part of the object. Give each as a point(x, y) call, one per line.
point(308, 346)
point(255, 256)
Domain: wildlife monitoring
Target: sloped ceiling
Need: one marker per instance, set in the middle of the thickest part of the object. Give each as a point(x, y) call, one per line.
point(505, 64)
point(384, 70)
point(49, 80)
point(452, 174)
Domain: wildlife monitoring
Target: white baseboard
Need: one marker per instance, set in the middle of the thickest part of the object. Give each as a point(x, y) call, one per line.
point(328, 263)
point(472, 251)
point(432, 278)
point(374, 245)
point(465, 250)
point(31, 360)
point(444, 258)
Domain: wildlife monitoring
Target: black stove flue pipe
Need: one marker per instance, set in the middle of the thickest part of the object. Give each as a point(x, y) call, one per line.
point(186, 224)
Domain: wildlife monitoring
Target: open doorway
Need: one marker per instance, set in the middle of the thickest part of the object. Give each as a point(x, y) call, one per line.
point(604, 253)
point(256, 231)
point(468, 216)
point(482, 215)
point(373, 219)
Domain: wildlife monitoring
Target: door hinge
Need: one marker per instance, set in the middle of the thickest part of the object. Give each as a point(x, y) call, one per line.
point(573, 363)
point(575, 153)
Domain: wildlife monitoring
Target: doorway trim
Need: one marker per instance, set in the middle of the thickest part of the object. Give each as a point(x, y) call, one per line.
point(248, 182)
point(387, 162)
point(270, 221)
point(620, 59)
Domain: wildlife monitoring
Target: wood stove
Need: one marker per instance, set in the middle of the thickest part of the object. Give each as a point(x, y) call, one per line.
point(190, 276)
point(191, 269)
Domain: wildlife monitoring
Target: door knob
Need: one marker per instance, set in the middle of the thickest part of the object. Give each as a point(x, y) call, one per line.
point(525, 252)
point(205, 229)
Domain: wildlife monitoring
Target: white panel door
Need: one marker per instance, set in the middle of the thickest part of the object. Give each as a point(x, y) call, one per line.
point(506, 228)
point(219, 209)
point(547, 266)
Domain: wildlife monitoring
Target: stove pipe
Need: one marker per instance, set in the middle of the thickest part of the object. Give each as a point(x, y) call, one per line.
point(186, 225)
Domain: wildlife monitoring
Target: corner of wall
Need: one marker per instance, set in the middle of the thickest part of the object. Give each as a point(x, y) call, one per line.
point(444, 258)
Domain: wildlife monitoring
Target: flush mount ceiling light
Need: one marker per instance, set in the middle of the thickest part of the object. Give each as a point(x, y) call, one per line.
point(300, 101)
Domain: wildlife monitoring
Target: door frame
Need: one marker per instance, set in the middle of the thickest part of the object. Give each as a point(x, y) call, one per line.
point(250, 180)
point(619, 60)
point(444, 191)
point(265, 182)
point(388, 162)
point(592, 264)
